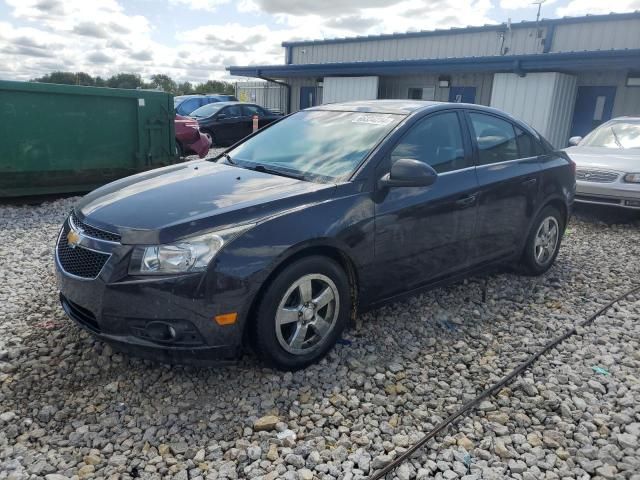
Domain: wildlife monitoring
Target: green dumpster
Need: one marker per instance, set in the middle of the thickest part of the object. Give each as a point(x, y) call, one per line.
point(67, 138)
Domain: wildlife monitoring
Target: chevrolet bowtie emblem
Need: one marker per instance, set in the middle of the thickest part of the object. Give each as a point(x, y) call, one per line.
point(73, 238)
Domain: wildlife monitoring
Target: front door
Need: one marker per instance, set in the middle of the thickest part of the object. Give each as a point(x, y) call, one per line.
point(423, 233)
point(594, 106)
point(462, 94)
point(308, 97)
point(229, 126)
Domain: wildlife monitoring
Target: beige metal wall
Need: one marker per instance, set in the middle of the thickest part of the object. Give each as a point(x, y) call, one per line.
point(570, 37)
point(398, 87)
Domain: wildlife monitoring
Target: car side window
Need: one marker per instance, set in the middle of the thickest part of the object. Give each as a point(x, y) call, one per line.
point(527, 145)
point(495, 137)
point(232, 111)
point(436, 141)
point(251, 110)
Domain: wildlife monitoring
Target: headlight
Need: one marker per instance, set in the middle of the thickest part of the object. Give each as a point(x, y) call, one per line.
point(188, 255)
point(632, 177)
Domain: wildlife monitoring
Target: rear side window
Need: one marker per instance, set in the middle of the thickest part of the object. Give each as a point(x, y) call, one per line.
point(527, 145)
point(436, 141)
point(250, 110)
point(495, 137)
point(232, 111)
point(188, 106)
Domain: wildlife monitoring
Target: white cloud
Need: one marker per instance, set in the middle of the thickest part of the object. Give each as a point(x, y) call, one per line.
point(516, 4)
point(209, 5)
point(101, 38)
point(584, 7)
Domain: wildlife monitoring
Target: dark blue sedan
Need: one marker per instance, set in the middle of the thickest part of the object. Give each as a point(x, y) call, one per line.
point(279, 241)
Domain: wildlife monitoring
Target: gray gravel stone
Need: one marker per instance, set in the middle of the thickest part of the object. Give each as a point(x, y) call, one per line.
point(73, 407)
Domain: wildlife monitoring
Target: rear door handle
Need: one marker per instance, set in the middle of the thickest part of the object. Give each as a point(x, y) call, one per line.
point(530, 182)
point(467, 201)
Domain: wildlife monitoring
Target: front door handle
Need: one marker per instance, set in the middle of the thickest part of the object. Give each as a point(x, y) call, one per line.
point(530, 182)
point(466, 201)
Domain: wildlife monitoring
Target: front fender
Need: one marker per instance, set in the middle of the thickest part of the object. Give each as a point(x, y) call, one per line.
point(344, 223)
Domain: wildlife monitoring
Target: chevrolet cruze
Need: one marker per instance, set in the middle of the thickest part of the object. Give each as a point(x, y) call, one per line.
point(278, 242)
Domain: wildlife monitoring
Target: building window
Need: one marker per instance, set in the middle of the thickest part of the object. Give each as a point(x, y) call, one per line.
point(421, 93)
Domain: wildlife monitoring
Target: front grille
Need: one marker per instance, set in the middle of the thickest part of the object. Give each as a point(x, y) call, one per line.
point(591, 175)
point(80, 314)
point(93, 232)
point(79, 261)
point(593, 198)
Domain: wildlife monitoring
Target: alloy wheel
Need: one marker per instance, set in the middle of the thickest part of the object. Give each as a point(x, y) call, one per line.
point(307, 314)
point(546, 240)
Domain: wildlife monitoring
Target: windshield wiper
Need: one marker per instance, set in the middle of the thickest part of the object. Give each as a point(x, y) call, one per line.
point(227, 157)
point(272, 171)
point(615, 137)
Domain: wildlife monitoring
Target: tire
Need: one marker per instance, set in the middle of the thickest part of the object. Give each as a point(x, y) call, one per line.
point(209, 134)
point(179, 150)
point(542, 248)
point(294, 328)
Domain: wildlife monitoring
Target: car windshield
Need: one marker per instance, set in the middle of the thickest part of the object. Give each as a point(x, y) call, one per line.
point(316, 144)
point(206, 110)
point(616, 134)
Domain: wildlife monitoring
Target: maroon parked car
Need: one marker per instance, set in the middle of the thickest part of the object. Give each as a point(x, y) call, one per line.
point(189, 139)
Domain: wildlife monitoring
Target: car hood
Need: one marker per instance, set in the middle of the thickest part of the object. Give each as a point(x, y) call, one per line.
point(607, 158)
point(161, 205)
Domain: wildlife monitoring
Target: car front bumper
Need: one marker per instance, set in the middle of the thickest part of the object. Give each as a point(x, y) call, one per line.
point(167, 319)
point(617, 194)
point(200, 146)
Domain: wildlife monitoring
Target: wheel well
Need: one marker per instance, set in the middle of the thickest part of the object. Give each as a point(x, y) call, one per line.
point(562, 208)
point(324, 251)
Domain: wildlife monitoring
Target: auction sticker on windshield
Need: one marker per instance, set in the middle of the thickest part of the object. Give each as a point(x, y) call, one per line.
point(374, 119)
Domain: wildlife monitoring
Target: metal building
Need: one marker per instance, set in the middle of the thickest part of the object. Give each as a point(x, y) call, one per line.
point(563, 76)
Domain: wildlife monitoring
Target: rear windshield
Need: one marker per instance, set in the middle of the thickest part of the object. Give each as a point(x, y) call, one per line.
point(317, 144)
point(615, 134)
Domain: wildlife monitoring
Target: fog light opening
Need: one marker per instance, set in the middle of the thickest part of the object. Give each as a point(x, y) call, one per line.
point(161, 332)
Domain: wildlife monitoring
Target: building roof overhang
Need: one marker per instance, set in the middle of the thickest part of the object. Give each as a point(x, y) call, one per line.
point(520, 64)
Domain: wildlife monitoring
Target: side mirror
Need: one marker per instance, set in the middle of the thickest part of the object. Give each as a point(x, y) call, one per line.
point(573, 141)
point(221, 116)
point(407, 172)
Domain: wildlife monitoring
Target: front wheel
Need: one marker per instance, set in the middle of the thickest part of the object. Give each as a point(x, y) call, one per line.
point(543, 242)
point(302, 313)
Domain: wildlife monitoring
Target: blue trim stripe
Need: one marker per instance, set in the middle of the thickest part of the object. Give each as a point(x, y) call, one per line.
point(484, 28)
point(521, 64)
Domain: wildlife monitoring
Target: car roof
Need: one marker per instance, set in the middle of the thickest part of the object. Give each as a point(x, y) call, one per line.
point(378, 106)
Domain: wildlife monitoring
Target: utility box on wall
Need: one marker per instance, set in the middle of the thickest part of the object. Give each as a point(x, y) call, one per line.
point(345, 89)
point(543, 100)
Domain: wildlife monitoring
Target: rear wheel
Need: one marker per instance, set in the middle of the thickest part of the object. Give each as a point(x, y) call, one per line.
point(302, 313)
point(209, 135)
point(179, 150)
point(543, 242)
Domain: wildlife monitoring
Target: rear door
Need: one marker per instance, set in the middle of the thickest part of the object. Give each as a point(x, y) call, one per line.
point(509, 170)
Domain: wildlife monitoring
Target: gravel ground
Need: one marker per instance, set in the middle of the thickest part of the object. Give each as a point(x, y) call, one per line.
point(71, 407)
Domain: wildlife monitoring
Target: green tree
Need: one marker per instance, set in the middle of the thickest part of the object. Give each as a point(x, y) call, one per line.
point(185, 88)
point(125, 80)
point(164, 82)
point(67, 78)
point(215, 86)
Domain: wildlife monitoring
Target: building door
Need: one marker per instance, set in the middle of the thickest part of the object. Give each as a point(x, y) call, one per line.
point(462, 94)
point(594, 106)
point(308, 97)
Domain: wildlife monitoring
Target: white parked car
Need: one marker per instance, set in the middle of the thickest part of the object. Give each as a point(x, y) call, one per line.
point(608, 164)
